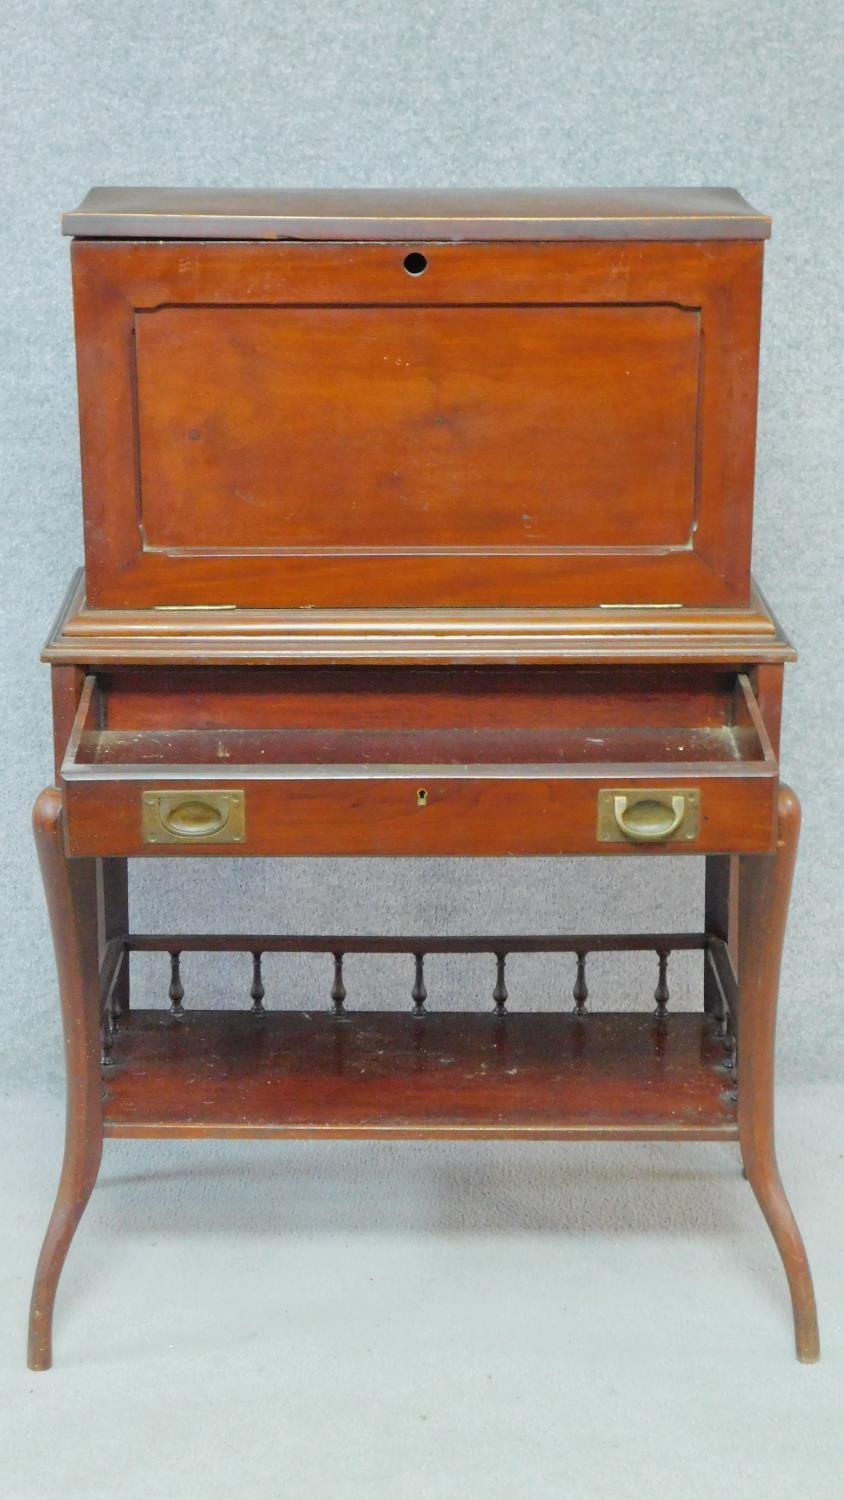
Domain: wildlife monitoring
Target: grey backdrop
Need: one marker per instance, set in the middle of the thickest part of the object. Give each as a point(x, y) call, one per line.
point(371, 92)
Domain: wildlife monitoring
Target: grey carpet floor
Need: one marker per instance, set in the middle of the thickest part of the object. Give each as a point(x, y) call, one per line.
point(415, 1320)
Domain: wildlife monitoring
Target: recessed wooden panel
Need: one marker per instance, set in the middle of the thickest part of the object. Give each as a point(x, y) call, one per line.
point(417, 428)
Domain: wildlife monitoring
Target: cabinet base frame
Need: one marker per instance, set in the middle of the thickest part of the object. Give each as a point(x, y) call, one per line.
point(663, 1077)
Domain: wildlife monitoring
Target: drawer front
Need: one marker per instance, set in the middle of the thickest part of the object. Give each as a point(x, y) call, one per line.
point(425, 762)
point(517, 425)
point(376, 815)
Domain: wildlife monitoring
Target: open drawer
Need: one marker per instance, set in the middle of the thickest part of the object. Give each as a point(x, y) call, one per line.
point(434, 761)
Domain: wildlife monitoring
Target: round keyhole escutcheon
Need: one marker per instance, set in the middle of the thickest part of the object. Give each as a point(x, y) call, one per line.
point(415, 263)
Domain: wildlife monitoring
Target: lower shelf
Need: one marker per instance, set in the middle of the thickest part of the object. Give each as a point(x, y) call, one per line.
point(617, 1075)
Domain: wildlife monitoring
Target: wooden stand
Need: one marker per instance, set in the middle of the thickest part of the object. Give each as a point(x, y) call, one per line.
point(567, 1076)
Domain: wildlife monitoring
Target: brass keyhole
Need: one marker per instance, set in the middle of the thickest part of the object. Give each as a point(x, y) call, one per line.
point(422, 797)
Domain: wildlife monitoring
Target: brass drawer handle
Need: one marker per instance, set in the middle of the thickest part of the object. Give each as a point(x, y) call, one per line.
point(647, 821)
point(195, 819)
point(191, 817)
point(644, 815)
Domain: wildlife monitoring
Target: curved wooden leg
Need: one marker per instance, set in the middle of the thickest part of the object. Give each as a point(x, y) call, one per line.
point(764, 890)
point(70, 886)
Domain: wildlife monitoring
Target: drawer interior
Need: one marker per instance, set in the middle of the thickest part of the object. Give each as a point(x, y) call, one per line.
point(467, 721)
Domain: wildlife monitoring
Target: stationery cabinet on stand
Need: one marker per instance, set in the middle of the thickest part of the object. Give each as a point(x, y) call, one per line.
point(417, 524)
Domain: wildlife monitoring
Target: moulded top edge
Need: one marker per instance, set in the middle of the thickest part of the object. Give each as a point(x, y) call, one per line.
point(680, 213)
point(90, 636)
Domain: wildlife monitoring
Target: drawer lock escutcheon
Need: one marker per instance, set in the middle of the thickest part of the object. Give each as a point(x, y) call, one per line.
point(646, 815)
point(191, 817)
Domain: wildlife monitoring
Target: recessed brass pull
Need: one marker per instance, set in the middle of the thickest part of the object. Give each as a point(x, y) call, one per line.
point(193, 817)
point(648, 820)
point(642, 815)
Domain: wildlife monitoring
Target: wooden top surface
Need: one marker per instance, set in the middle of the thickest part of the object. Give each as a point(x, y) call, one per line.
point(411, 637)
point(647, 213)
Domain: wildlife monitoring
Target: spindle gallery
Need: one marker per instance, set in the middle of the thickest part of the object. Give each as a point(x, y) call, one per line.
point(418, 524)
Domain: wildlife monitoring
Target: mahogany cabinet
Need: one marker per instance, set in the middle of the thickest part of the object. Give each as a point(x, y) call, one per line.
point(308, 409)
point(418, 524)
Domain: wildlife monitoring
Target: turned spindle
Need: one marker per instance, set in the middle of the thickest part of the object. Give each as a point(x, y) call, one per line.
point(661, 994)
point(499, 994)
point(107, 1038)
point(731, 1045)
point(257, 990)
point(176, 991)
point(338, 989)
point(580, 993)
point(419, 994)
